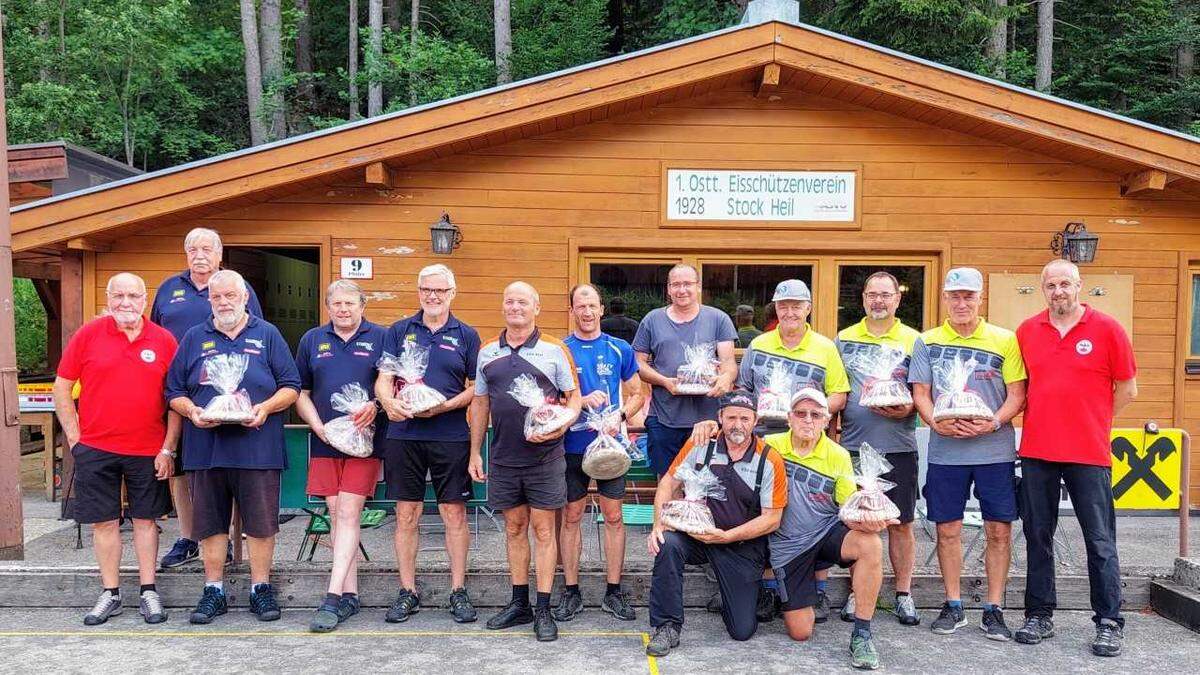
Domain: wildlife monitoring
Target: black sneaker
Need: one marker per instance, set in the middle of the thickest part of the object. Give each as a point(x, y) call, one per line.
point(617, 604)
point(106, 605)
point(715, 604)
point(666, 638)
point(461, 608)
point(768, 604)
point(1108, 638)
point(821, 609)
point(348, 606)
point(151, 608)
point(1036, 629)
point(992, 623)
point(406, 604)
point(570, 603)
point(325, 619)
point(211, 605)
point(515, 613)
point(263, 603)
point(182, 552)
point(950, 620)
point(544, 627)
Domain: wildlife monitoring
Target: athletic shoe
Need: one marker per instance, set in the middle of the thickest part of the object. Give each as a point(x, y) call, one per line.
point(768, 604)
point(906, 611)
point(666, 638)
point(515, 613)
point(570, 603)
point(847, 613)
point(151, 608)
point(263, 603)
point(406, 604)
point(1108, 638)
point(544, 627)
point(617, 604)
point(347, 606)
point(862, 652)
point(461, 608)
point(325, 619)
point(949, 620)
point(211, 605)
point(1036, 629)
point(182, 552)
point(106, 605)
point(992, 623)
point(821, 609)
point(715, 604)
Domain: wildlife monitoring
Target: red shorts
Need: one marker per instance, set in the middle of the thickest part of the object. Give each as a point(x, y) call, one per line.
point(328, 476)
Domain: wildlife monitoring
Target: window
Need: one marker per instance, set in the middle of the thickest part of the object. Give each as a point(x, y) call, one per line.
point(641, 286)
point(851, 279)
point(1194, 335)
point(731, 286)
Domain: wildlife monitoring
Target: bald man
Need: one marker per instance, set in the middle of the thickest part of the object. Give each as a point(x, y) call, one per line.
point(119, 433)
point(527, 476)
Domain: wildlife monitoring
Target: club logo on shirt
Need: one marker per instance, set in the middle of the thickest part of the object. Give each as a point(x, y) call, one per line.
point(255, 342)
point(366, 346)
point(604, 369)
point(1083, 347)
point(451, 339)
point(323, 347)
point(148, 355)
point(208, 345)
point(178, 293)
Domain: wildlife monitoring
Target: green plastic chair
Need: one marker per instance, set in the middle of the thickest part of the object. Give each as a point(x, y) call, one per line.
point(319, 526)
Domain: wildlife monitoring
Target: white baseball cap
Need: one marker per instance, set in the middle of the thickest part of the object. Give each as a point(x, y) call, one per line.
point(963, 279)
point(810, 394)
point(792, 289)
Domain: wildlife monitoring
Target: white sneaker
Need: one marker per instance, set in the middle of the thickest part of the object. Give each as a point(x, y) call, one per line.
point(848, 609)
point(106, 605)
point(151, 607)
point(906, 611)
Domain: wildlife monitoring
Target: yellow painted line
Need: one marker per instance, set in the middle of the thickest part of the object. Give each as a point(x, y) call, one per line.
point(651, 661)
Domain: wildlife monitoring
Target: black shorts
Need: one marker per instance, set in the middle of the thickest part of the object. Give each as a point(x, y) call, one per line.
point(96, 488)
point(798, 579)
point(578, 482)
point(543, 486)
point(405, 464)
point(214, 492)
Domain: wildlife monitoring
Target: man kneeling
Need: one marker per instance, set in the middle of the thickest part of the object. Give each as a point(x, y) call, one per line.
point(753, 478)
point(811, 535)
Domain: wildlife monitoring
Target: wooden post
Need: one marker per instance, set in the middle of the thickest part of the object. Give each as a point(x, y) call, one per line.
point(12, 525)
point(70, 305)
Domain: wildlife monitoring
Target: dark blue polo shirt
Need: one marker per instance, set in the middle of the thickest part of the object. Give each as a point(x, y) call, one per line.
point(179, 305)
point(453, 358)
point(271, 369)
point(326, 363)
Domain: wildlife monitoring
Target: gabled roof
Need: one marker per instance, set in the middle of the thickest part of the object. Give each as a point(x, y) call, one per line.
point(808, 58)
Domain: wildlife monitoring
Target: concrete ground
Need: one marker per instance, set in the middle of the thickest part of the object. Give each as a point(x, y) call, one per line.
point(54, 640)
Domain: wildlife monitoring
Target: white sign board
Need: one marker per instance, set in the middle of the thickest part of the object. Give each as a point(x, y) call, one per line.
point(356, 268)
point(751, 194)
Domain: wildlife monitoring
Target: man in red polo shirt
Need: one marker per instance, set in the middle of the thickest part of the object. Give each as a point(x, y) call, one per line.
point(1081, 374)
point(118, 433)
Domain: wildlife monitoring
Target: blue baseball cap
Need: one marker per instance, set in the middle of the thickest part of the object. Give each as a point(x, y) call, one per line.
point(792, 289)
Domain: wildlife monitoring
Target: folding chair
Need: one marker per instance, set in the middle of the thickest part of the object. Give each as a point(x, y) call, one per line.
point(319, 526)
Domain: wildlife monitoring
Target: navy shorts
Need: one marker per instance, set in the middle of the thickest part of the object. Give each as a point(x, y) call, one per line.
point(664, 443)
point(948, 486)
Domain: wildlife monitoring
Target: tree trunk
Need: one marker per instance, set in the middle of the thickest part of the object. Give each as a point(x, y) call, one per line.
point(392, 14)
point(1045, 45)
point(503, 30)
point(375, 87)
point(1185, 63)
point(270, 36)
point(43, 33)
point(414, 28)
point(254, 91)
point(305, 89)
point(997, 46)
point(352, 67)
point(616, 19)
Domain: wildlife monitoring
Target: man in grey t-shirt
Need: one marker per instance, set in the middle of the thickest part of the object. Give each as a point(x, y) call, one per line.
point(659, 347)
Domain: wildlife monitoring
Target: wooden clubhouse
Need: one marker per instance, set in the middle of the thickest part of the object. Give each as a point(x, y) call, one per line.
point(760, 152)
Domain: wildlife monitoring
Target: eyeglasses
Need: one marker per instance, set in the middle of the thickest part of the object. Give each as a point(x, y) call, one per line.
point(806, 415)
point(122, 297)
point(879, 296)
point(440, 292)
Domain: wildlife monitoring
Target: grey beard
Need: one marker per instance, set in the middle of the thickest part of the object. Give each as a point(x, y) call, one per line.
point(737, 436)
point(227, 324)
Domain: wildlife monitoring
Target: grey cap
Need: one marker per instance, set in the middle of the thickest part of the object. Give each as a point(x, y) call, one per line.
point(963, 279)
point(745, 309)
point(792, 289)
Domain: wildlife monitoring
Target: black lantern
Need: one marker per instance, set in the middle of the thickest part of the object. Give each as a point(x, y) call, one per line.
point(1075, 243)
point(445, 236)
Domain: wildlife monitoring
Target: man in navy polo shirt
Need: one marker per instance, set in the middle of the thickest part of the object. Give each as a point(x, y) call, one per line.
point(435, 441)
point(342, 352)
point(234, 462)
point(180, 303)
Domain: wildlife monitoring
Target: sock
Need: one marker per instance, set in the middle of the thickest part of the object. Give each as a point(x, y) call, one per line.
point(821, 584)
point(521, 594)
point(116, 592)
point(956, 604)
point(901, 593)
point(543, 600)
point(573, 589)
point(331, 599)
point(769, 583)
point(259, 588)
point(613, 589)
point(148, 587)
point(987, 606)
point(862, 626)
point(219, 585)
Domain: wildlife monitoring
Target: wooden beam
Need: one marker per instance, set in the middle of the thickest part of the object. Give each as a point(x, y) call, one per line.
point(34, 270)
point(70, 303)
point(19, 193)
point(1144, 181)
point(88, 244)
point(769, 82)
point(379, 174)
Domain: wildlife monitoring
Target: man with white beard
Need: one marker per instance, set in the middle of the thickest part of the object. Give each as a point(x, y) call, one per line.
point(234, 462)
point(118, 434)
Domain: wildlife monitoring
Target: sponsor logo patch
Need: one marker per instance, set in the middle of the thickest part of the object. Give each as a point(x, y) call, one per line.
point(1083, 347)
point(208, 345)
point(323, 347)
point(148, 355)
point(251, 351)
point(178, 293)
point(256, 342)
point(367, 346)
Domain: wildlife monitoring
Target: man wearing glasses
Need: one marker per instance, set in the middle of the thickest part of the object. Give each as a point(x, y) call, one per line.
point(436, 441)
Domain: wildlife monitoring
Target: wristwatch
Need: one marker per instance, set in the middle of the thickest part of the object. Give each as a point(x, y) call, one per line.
point(168, 452)
point(378, 406)
point(624, 416)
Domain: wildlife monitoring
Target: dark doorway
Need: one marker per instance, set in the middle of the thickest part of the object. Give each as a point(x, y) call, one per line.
point(287, 281)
